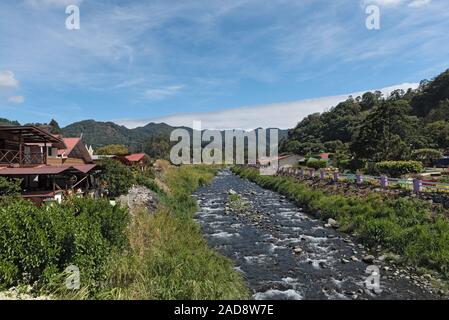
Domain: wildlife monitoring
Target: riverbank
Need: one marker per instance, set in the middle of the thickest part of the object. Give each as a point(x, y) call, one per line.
point(411, 228)
point(169, 257)
point(285, 253)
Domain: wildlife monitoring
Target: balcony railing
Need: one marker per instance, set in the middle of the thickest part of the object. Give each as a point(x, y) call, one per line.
point(21, 158)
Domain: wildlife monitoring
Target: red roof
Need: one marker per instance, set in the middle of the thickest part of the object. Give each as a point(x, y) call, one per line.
point(324, 155)
point(70, 144)
point(33, 170)
point(84, 168)
point(135, 157)
point(50, 170)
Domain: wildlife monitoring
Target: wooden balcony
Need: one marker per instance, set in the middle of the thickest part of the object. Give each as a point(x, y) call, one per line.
point(15, 157)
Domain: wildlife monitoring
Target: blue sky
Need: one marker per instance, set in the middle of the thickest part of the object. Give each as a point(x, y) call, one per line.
point(241, 63)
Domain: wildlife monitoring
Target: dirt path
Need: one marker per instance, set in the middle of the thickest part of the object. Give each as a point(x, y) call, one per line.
point(286, 254)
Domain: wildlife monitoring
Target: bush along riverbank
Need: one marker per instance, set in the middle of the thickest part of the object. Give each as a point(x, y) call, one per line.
point(407, 227)
point(168, 256)
point(38, 243)
point(152, 253)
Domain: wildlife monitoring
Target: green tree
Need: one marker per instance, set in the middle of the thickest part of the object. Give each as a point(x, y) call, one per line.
point(388, 133)
point(370, 100)
point(439, 132)
point(113, 149)
point(430, 94)
point(10, 187)
point(116, 177)
point(54, 127)
point(439, 113)
point(158, 147)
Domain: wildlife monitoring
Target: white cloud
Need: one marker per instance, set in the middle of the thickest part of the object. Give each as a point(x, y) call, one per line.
point(280, 115)
point(55, 3)
point(385, 3)
point(17, 99)
point(394, 3)
point(419, 3)
point(163, 92)
point(8, 79)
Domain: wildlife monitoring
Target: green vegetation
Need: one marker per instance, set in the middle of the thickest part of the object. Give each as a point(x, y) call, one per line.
point(169, 258)
point(54, 127)
point(99, 134)
point(405, 226)
point(113, 149)
point(38, 243)
point(116, 177)
point(10, 187)
point(373, 128)
point(398, 168)
point(316, 164)
point(158, 147)
point(159, 255)
point(6, 122)
point(427, 155)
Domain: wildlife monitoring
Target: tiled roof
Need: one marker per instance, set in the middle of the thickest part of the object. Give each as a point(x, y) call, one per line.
point(70, 143)
point(51, 170)
point(135, 157)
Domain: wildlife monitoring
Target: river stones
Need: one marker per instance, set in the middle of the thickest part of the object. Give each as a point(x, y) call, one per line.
point(368, 259)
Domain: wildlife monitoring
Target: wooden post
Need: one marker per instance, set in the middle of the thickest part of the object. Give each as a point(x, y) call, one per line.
point(417, 186)
point(312, 173)
point(302, 173)
point(322, 174)
point(20, 148)
point(336, 176)
point(45, 152)
point(384, 182)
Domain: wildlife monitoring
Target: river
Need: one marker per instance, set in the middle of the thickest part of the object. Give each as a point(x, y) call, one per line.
point(284, 253)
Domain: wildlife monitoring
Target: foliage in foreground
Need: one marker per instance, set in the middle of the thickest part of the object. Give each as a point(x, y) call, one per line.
point(403, 225)
point(10, 187)
point(38, 243)
point(169, 258)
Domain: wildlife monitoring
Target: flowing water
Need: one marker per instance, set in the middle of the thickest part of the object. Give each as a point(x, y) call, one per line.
point(284, 253)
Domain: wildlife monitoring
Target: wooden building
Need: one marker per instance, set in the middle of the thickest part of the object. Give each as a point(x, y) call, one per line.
point(48, 165)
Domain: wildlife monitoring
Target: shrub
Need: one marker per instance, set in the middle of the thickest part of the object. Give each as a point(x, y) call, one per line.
point(316, 164)
point(146, 178)
point(398, 168)
point(116, 177)
point(352, 165)
point(36, 244)
point(10, 187)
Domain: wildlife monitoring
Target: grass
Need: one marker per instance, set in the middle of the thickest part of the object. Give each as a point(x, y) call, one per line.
point(405, 226)
point(168, 256)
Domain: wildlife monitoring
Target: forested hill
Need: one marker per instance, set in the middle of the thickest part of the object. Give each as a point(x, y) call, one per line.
point(98, 134)
point(376, 128)
point(6, 122)
point(139, 139)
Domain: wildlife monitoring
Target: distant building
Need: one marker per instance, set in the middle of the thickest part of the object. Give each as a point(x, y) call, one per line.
point(75, 152)
point(139, 160)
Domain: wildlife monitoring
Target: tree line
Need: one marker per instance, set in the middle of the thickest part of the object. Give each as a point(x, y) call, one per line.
point(412, 124)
